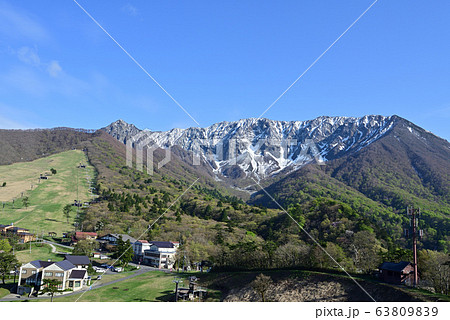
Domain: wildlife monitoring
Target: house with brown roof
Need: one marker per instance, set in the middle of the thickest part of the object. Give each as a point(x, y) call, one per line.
point(79, 235)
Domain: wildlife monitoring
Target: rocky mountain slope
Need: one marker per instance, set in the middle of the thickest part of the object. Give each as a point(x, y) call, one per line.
point(260, 148)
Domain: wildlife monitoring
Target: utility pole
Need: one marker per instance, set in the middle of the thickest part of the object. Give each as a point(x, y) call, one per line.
point(416, 233)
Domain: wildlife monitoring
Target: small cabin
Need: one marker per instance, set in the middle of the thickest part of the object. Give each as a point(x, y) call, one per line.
point(397, 273)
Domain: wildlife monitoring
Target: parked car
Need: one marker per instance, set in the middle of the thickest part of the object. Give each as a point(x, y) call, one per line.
point(118, 269)
point(99, 277)
point(97, 269)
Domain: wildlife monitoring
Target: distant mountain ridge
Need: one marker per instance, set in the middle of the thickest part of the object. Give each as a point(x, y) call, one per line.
point(263, 147)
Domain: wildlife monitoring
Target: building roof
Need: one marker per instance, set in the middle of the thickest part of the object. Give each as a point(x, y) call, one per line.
point(41, 264)
point(142, 241)
point(65, 265)
point(396, 267)
point(77, 260)
point(125, 237)
point(163, 244)
point(79, 233)
point(17, 229)
point(77, 274)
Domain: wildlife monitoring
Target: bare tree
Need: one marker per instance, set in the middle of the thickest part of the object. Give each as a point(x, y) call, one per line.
point(261, 284)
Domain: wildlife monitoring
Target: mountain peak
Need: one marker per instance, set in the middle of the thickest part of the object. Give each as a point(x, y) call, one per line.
point(121, 130)
point(263, 147)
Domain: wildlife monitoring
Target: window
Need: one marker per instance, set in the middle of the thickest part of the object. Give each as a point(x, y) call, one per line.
point(59, 274)
point(70, 284)
point(33, 271)
point(48, 274)
point(24, 271)
point(77, 284)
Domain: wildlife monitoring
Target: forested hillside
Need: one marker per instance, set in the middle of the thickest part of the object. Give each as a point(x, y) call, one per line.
point(216, 226)
point(408, 166)
point(28, 145)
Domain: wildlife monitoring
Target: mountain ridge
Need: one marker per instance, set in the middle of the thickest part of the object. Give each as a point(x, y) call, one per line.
point(263, 147)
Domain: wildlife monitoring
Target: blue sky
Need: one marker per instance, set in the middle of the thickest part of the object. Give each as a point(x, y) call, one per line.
point(222, 60)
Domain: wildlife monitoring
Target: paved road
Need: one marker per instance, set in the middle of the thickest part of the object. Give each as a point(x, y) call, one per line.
point(58, 244)
point(142, 270)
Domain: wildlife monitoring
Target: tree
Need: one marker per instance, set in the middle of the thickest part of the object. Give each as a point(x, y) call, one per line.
point(8, 262)
point(322, 258)
point(51, 287)
point(66, 211)
point(124, 252)
point(435, 268)
point(293, 254)
point(261, 284)
point(5, 246)
point(53, 171)
point(365, 248)
point(4, 184)
point(178, 215)
point(85, 247)
point(25, 201)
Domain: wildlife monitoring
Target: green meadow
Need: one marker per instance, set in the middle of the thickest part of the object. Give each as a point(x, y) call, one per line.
point(150, 286)
point(46, 197)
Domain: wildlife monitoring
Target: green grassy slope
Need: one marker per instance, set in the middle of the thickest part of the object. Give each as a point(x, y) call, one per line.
point(48, 197)
point(151, 286)
point(38, 252)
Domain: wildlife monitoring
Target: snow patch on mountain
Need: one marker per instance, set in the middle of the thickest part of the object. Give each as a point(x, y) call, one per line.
point(263, 147)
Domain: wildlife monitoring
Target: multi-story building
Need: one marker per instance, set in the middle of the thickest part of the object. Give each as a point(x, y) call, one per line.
point(22, 234)
point(161, 254)
point(33, 274)
point(138, 249)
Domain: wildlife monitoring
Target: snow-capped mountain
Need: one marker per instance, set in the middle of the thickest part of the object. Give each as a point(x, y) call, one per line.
point(263, 147)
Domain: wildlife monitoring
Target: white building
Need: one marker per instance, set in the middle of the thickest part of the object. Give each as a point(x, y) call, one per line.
point(138, 248)
point(161, 254)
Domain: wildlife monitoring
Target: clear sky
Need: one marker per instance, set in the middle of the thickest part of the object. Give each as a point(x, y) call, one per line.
point(222, 60)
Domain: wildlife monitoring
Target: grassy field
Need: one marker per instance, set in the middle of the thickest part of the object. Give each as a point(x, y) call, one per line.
point(3, 292)
point(43, 252)
point(48, 197)
point(150, 286)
